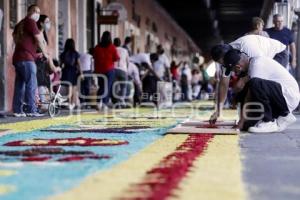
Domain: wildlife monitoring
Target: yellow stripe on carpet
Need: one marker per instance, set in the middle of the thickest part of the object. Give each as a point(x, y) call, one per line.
point(7, 172)
point(42, 123)
point(217, 174)
point(111, 183)
point(4, 189)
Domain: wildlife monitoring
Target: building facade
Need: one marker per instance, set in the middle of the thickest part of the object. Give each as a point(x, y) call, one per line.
point(84, 21)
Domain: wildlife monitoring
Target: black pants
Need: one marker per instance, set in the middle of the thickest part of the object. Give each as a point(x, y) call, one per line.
point(269, 94)
point(149, 88)
point(85, 86)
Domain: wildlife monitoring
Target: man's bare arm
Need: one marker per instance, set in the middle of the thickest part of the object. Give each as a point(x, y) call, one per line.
point(293, 52)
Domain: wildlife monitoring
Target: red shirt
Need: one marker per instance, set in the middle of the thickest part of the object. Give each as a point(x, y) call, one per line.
point(25, 49)
point(104, 58)
point(174, 72)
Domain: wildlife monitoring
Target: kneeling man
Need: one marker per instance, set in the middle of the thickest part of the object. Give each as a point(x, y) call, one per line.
point(270, 85)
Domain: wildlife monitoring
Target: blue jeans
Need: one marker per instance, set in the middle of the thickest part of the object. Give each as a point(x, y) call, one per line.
point(25, 84)
point(110, 79)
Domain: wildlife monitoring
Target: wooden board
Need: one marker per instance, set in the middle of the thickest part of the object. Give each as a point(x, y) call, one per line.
point(216, 131)
point(199, 123)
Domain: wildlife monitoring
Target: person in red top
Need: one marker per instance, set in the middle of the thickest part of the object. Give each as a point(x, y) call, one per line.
point(105, 54)
point(174, 70)
point(27, 38)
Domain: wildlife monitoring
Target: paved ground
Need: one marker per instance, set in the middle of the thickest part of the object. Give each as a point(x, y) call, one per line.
point(272, 164)
point(247, 166)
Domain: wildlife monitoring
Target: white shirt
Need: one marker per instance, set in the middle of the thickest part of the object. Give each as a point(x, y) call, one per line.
point(159, 68)
point(268, 69)
point(124, 59)
point(161, 65)
point(164, 60)
point(256, 45)
point(141, 58)
point(86, 62)
point(134, 73)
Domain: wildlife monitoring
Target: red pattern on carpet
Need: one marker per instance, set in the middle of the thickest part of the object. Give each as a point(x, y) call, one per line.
point(80, 158)
point(36, 159)
point(67, 142)
point(208, 126)
point(160, 181)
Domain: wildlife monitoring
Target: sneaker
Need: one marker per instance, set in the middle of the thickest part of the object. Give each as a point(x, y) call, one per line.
point(284, 122)
point(36, 114)
point(71, 106)
point(264, 127)
point(19, 115)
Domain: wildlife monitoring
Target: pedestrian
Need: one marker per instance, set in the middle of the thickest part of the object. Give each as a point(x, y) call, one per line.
point(204, 84)
point(71, 70)
point(174, 70)
point(105, 55)
point(87, 68)
point(268, 84)
point(285, 36)
point(27, 38)
point(121, 68)
point(126, 45)
point(149, 76)
point(162, 65)
point(257, 27)
point(186, 82)
point(44, 66)
point(134, 76)
point(196, 79)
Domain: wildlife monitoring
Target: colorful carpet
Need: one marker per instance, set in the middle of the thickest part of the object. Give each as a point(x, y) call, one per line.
point(124, 155)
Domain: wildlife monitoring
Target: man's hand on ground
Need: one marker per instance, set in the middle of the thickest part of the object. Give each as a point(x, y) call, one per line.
point(213, 118)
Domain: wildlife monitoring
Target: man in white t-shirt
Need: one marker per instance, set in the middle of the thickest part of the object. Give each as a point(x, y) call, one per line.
point(270, 85)
point(121, 72)
point(134, 76)
point(162, 65)
point(253, 46)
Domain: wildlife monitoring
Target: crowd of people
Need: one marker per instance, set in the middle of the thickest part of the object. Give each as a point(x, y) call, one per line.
point(257, 67)
point(109, 74)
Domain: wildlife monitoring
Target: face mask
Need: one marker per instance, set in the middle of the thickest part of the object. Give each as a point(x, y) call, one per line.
point(35, 16)
point(47, 26)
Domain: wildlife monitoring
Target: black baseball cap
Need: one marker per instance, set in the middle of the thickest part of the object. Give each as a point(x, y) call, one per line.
point(231, 58)
point(218, 51)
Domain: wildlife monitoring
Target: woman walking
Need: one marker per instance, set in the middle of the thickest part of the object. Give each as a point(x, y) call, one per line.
point(71, 70)
point(105, 55)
